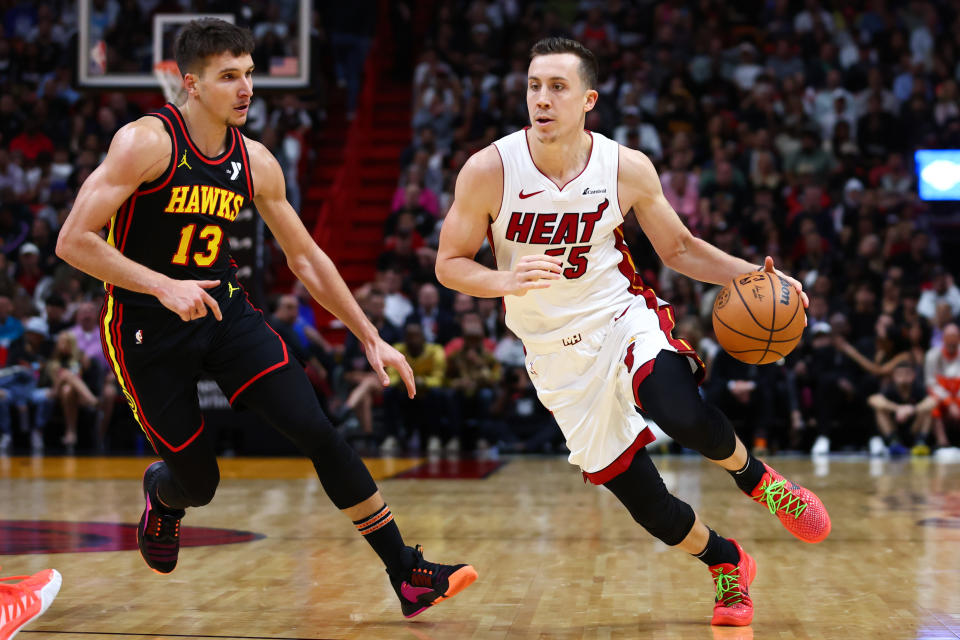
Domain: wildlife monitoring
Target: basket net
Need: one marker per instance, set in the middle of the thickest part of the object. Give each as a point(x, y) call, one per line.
point(168, 76)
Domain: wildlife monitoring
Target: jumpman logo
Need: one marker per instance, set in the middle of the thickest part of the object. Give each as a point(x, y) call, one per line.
point(183, 161)
point(232, 288)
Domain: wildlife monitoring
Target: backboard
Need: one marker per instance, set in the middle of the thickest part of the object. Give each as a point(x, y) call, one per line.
point(120, 42)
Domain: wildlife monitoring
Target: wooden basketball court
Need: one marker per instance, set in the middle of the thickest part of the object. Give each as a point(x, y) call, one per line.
point(556, 558)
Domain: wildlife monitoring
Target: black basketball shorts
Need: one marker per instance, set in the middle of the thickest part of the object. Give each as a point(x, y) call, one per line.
point(158, 358)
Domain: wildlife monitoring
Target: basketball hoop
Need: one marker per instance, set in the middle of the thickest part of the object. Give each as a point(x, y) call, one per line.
point(168, 76)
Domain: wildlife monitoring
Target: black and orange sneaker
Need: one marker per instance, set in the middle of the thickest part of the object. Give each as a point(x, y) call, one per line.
point(799, 510)
point(158, 534)
point(733, 606)
point(430, 584)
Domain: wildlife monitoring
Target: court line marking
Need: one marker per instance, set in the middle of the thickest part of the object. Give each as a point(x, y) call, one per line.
point(170, 635)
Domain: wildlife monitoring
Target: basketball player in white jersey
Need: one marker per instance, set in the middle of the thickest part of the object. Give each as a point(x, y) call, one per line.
point(552, 198)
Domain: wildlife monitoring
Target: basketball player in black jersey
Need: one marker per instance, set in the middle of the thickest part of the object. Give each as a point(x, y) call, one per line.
point(168, 190)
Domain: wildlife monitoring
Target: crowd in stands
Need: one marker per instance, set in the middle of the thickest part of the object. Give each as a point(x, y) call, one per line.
point(781, 128)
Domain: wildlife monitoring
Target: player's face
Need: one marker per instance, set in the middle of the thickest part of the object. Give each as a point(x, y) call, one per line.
point(225, 87)
point(557, 99)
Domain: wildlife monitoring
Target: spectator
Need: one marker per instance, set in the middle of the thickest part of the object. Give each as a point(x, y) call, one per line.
point(942, 378)
point(419, 417)
point(437, 323)
point(519, 420)
point(363, 385)
point(681, 188)
point(831, 383)
point(942, 289)
point(396, 305)
point(644, 135)
point(55, 313)
point(351, 29)
point(65, 373)
point(283, 321)
point(32, 141)
point(10, 327)
point(473, 374)
point(946, 107)
point(28, 386)
point(744, 392)
point(902, 410)
point(29, 272)
point(468, 321)
point(98, 373)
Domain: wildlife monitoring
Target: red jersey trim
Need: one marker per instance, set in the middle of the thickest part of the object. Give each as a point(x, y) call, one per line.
point(246, 164)
point(593, 144)
point(286, 359)
point(623, 461)
point(173, 158)
point(664, 313)
point(203, 158)
point(503, 186)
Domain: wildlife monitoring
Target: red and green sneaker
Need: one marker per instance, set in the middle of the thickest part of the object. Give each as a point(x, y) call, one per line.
point(799, 510)
point(733, 606)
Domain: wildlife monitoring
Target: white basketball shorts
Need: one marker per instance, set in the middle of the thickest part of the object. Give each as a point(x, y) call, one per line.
point(589, 382)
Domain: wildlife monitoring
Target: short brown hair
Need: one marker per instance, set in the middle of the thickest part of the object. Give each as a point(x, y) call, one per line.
point(588, 62)
point(205, 37)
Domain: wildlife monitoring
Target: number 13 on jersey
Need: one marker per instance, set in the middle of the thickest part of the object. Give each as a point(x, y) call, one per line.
point(212, 233)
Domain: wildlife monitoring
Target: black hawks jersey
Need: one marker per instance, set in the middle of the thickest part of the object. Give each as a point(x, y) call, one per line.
point(178, 224)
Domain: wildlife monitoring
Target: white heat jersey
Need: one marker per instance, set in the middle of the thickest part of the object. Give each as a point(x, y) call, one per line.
point(581, 222)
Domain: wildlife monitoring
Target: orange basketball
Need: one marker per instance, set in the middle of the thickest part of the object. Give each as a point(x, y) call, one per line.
point(758, 318)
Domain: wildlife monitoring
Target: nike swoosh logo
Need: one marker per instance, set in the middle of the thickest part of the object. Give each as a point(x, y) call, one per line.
point(524, 196)
point(412, 593)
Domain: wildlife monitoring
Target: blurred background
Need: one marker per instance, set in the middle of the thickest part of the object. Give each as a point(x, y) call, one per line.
point(823, 134)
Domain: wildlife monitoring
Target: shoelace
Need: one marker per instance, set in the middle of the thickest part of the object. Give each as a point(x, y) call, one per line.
point(728, 586)
point(778, 498)
point(14, 596)
point(422, 574)
point(163, 525)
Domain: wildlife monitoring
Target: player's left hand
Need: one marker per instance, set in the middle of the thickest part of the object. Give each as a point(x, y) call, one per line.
point(768, 266)
point(380, 354)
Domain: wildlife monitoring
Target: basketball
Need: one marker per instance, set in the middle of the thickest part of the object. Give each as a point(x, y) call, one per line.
point(758, 318)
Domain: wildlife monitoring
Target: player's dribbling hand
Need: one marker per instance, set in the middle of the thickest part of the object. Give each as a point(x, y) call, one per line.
point(533, 272)
point(380, 354)
point(188, 298)
point(768, 266)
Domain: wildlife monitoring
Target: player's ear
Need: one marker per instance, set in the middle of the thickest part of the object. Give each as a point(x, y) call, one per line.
point(590, 100)
point(190, 83)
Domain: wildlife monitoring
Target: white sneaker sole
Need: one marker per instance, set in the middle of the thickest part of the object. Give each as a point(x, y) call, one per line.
point(47, 595)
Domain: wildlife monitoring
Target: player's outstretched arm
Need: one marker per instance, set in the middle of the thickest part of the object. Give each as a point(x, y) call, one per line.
point(140, 152)
point(476, 200)
point(673, 242)
point(314, 268)
point(677, 247)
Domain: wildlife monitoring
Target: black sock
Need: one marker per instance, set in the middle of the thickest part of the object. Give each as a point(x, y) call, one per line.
point(719, 550)
point(382, 533)
point(749, 476)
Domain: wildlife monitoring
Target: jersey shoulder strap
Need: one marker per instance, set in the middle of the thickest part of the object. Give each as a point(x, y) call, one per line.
point(163, 115)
